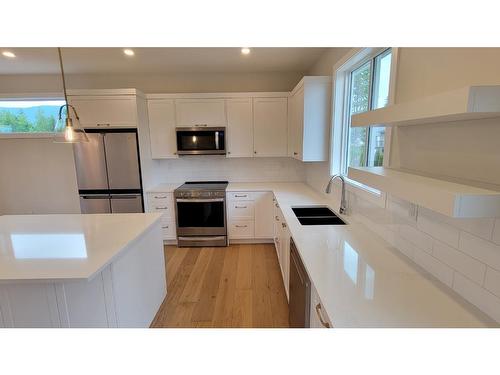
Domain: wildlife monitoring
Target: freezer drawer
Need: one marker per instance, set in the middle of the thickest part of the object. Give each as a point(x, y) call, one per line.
point(95, 204)
point(129, 203)
point(122, 160)
point(90, 161)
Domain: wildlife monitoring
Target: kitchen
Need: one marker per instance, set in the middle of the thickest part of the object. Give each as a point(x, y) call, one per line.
point(249, 187)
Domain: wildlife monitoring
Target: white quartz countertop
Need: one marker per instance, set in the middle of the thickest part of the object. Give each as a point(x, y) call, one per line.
point(361, 279)
point(65, 247)
point(164, 188)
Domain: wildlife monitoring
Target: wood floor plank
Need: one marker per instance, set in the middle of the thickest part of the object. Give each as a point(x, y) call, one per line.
point(236, 286)
point(244, 269)
point(261, 300)
point(204, 309)
point(192, 290)
point(224, 303)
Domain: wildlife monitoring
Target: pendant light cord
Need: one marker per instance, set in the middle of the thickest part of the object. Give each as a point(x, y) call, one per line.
point(62, 74)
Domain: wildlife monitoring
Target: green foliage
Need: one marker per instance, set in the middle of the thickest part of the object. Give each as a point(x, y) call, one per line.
point(18, 122)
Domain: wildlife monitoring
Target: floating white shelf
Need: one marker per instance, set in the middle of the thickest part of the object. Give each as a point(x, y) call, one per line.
point(449, 198)
point(468, 103)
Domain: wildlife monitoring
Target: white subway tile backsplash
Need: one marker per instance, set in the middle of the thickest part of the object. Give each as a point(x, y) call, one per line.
point(434, 266)
point(405, 246)
point(485, 251)
point(432, 224)
point(418, 238)
point(492, 281)
point(477, 295)
point(461, 262)
point(479, 227)
point(496, 232)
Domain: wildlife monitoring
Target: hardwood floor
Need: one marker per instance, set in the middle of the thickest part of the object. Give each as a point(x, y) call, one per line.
point(236, 286)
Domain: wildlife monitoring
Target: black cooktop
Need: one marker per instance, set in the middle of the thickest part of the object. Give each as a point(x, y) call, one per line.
point(203, 185)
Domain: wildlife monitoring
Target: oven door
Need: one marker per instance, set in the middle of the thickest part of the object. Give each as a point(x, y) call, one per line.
point(201, 217)
point(201, 141)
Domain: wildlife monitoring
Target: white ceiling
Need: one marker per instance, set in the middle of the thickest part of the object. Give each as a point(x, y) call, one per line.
point(159, 60)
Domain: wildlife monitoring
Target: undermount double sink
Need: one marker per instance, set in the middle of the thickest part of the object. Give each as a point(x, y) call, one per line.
point(317, 215)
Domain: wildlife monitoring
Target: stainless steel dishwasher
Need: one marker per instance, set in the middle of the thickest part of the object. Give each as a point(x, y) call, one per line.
point(300, 291)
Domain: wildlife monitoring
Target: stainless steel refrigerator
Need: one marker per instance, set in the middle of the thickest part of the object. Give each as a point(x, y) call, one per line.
point(108, 172)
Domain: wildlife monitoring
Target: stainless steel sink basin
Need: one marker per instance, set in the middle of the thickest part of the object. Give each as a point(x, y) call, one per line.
point(317, 215)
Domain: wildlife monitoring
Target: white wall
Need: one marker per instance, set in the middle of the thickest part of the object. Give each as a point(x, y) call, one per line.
point(191, 168)
point(464, 254)
point(37, 176)
point(154, 83)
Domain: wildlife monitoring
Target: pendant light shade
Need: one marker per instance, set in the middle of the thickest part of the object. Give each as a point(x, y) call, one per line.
point(67, 128)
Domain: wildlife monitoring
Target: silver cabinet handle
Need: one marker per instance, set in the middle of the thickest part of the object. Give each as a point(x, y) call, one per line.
point(161, 208)
point(318, 312)
point(240, 196)
point(160, 196)
point(241, 226)
point(200, 125)
point(240, 206)
point(103, 124)
point(165, 227)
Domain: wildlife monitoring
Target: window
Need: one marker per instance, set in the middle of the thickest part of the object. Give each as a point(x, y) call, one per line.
point(29, 116)
point(367, 88)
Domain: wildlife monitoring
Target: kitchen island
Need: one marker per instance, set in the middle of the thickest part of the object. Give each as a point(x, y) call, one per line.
point(103, 270)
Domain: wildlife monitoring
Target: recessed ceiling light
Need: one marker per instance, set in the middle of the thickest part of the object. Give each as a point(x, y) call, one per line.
point(245, 50)
point(8, 54)
point(128, 52)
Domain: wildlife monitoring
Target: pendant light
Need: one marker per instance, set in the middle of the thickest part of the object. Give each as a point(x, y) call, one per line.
point(67, 128)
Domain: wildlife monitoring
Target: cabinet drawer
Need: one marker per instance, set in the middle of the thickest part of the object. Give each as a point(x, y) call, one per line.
point(241, 196)
point(162, 203)
point(168, 228)
point(241, 229)
point(241, 209)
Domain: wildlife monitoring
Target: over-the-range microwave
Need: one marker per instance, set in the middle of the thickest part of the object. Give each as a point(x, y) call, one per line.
point(201, 140)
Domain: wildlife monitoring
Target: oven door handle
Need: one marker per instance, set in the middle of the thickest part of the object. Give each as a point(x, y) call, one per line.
point(216, 140)
point(200, 200)
point(206, 238)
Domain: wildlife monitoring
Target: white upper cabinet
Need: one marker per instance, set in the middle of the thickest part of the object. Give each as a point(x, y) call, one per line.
point(270, 116)
point(239, 127)
point(106, 111)
point(310, 103)
point(161, 113)
point(201, 112)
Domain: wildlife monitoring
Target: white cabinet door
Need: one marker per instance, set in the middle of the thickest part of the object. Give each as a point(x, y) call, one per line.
point(204, 112)
point(318, 316)
point(297, 124)
point(161, 113)
point(264, 215)
point(270, 116)
point(239, 127)
point(105, 111)
point(285, 255)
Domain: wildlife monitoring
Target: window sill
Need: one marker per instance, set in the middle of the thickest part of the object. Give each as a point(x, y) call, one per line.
point(366, 192)
point(26, 135)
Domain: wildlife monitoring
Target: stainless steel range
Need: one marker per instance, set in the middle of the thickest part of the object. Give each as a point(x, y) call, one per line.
point(201, 213)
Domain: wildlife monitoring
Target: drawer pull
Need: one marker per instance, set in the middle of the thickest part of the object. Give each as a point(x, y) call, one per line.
point(318, 312)
point(160, 196)
point(240, 206)
point(103, 124)
point(165, 227)
point(277, 219)
point(283, 225)
point(241, 226)
point(162, 208)
point(241, 196)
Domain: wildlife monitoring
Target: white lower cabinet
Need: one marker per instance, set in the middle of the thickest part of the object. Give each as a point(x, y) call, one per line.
point(164, 203)
point(250, 215)
point(318, 315)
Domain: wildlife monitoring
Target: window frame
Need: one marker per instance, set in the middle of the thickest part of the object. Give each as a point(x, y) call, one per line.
point(41, 96)
point(354, 59)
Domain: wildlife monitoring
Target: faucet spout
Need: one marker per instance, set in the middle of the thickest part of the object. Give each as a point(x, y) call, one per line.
point(328, 189)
